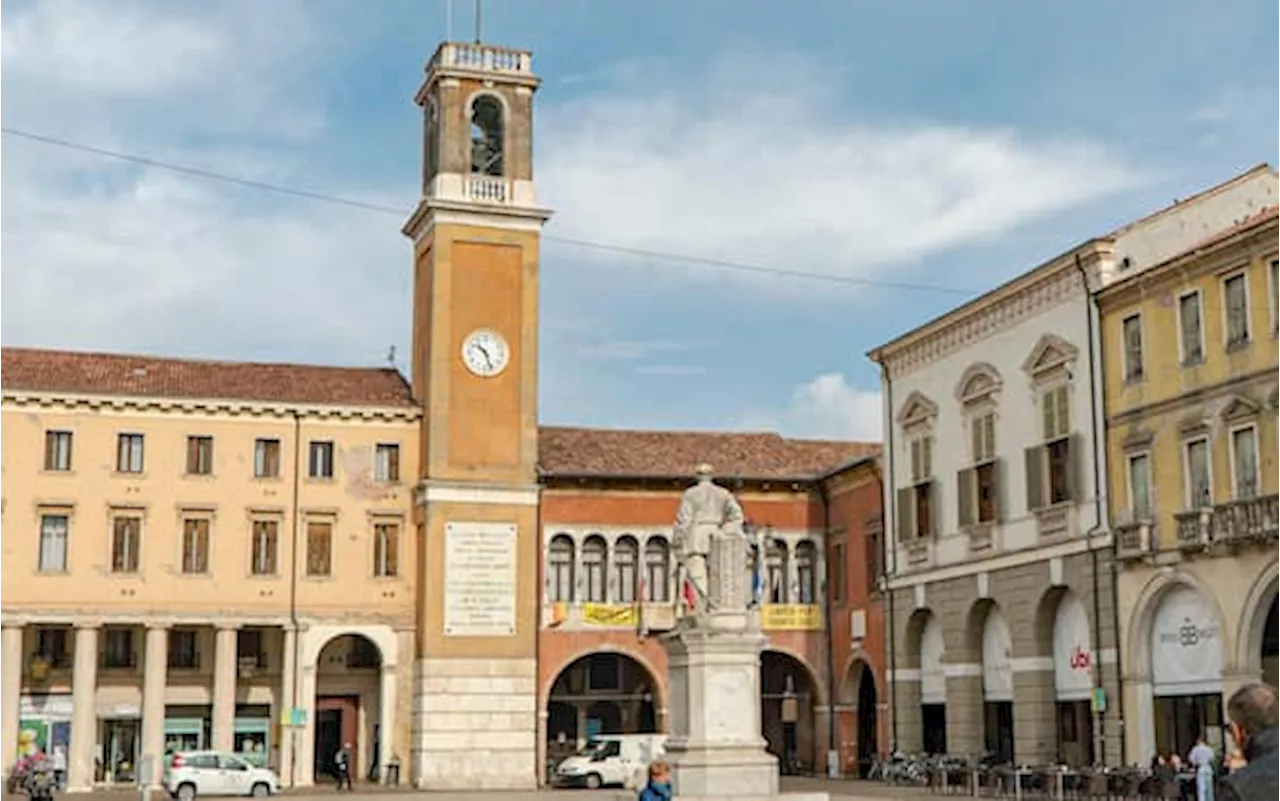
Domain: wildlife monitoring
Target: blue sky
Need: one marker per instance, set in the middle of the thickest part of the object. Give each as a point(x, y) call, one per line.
point(940, 143)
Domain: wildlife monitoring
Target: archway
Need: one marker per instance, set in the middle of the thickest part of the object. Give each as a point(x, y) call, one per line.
point(1062, 629)
point(996, 647)
point(348, 705)
point(925, 642)
point(1271, 645)
point(1186, 668)
point(603, 692)
point(787, 698)
point(868, 714)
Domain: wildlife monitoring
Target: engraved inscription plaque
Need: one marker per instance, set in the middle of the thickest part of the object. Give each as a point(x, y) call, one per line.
point(479, 579)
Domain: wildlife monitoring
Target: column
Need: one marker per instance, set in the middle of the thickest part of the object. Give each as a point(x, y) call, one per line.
point(84, 711)
point(386, 719)
point(543, 716)
point(304, 769)
point(224, 687)
point(10, 692)
point(155, 675)
point(284, 703)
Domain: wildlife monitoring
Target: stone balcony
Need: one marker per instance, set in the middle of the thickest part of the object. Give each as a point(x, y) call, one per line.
point(481, 58)
point(1233, 523)
point(1135, 540)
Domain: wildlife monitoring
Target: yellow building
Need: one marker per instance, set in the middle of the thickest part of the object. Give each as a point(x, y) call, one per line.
point(1190, 377)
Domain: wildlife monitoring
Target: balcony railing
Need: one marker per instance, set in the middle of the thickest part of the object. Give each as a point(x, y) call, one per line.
point(1253, 519)
point(482, 58)
point(488, 189)
point(1134, 540)
point(1193, 528)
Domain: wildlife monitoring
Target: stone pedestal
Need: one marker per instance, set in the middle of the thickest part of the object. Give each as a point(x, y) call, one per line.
point(716, 748)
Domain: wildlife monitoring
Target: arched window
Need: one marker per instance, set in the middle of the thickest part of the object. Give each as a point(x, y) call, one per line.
point(806, 573)
point(626, 555)
point(487, 138)
point(593, 559)
point(657, 564)
point(560, 570)
point(430, 143)
point(775, 567)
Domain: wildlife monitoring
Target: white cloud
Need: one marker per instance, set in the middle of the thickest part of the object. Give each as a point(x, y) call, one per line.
point(827, 407)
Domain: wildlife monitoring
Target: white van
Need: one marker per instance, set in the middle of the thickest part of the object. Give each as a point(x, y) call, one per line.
point(619, 759)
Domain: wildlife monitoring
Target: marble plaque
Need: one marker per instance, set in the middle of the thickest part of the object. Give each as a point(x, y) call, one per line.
point(479, 579)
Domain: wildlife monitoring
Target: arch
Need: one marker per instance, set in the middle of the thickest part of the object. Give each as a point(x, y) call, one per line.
point(605, 648)
point(594, 580)
point(316, 638)
point(776, 571)
point(1138, 653)
point(487, 115)
point(630, 702)
point(561, 569)
point(811, 675)
point(626, 569)
point(790, 694)
point(1253, 621)
point(978, 381)
point(847, 692)
point(350, 697)
point(806, 572)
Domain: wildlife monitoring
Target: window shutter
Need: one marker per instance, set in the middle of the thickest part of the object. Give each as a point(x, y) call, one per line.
point(997, 495)
point(965, 492)
point(1034, 459)
point(989, 436)
point(906, 514)
point(931, 496)
point(1062, 414)
point(915, 459)
point(1046, 415)
point(926, 457)
point(1075, 481)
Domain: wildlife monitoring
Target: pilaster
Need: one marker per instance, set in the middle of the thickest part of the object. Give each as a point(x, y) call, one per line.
point(10, 689)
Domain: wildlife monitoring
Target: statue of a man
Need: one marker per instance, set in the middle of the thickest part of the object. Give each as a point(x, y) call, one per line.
point(706, 511)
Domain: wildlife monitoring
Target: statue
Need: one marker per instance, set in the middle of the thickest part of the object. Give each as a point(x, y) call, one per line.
point(709, 517)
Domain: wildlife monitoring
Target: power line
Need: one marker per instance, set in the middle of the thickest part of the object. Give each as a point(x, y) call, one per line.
point(278, 189)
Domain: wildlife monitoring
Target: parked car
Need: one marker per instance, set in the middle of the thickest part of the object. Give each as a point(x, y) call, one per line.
point(610, 759)
point(193, 773)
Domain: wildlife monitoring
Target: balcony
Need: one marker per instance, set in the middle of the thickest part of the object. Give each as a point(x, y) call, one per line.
point(488, 189)
point(1134, 540)
point(1244, 521)
point(1194, 529)
point(482, 58)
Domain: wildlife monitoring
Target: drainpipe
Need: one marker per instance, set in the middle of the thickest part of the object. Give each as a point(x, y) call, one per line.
point(889, 535)
point(293, 592)
point(833, 758)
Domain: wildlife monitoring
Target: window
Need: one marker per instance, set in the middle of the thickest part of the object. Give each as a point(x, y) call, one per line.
point(775, 572)
point(266, 534)
point(126, 543)
point(1133, 347)
point(560, 570)
point(386, 463)
point(386, 546)
point(57, 450)
point(1140, 486)
point(319, 547)
point(183, 652)
point(835, 573)
point(266, 458)
point(1235, 293)
point(195, 545)
point(1190, 328)
point(1199, 481)
point(806, 573)
point(976, 487)
point(320, 462)
point(915, 503)
point(118, 647)
point(657, 568)
point(51, 644)
point(873, 557)
point(1244, 462)
point(249, 647)
point(362, 653)
point(593, 557)
point(199, 456)
point(129, 453)
point(53, 543)
point(625, 556)
point(487, 136)
point(1051, 466)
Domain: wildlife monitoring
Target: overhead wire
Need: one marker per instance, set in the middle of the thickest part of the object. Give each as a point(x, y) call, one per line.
point(586, 244)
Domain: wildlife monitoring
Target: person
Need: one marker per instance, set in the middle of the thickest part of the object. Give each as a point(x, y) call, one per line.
point(1252, 721)
point(342, 766)
point(658, 787)
point(60, 766)
point(1201, 759)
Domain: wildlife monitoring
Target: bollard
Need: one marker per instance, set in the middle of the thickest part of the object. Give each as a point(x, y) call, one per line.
point(393, 770)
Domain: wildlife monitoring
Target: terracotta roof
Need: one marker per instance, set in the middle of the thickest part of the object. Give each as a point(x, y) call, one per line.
point(676, 454)
point(85, 373)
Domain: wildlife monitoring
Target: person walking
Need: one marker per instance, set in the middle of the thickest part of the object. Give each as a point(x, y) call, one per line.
point(658, 788)
point(342, 767)
point(1201, 759)
point(1252, 714)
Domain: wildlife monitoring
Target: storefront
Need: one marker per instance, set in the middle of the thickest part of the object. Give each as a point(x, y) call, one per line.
point(44, 723)
point(997, 687)
point(120, 737)
point(1186, 671)
point(186, 728)
point(253, 733)
point(1073, 682)
point(933, 689)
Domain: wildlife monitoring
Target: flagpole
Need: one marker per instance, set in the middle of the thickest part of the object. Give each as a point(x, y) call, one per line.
point(448, 20)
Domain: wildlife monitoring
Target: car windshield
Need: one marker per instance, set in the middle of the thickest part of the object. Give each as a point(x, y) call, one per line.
point(601, 748)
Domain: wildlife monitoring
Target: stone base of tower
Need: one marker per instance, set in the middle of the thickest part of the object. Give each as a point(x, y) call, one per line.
point(475, 724)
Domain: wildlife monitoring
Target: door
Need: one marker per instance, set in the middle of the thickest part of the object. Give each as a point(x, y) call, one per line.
point(328, 740)
point(120, 748)
point(1075, 733)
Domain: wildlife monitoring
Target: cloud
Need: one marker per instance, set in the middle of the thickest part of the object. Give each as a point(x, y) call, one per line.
point(827, 407)
point(628, 350)
point(670, 370)
point(725, 168)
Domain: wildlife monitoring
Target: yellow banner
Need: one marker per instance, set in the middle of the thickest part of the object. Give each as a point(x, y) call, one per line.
point(791, 617)
point(609, 614)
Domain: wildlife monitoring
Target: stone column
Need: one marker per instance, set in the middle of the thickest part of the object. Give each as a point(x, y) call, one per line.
point(965, 729)
point(386, 719)
point(906, 695)
point(542, 746)
point(304, 766)
point(284, 702)
point(84, 712)
point(224, 687)
point(155, 676)
point(10, 692)
point(1035, 716)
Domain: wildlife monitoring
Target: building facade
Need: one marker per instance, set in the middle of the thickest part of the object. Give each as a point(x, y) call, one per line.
point(279, 559)
point(1190, 360)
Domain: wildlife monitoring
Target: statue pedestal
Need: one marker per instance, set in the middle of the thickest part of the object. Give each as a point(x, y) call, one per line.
point(715, 747)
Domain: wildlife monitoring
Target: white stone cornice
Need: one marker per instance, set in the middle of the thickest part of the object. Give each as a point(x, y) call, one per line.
point(457, 492)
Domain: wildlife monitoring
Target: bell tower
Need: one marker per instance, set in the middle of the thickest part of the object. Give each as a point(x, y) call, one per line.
point(475, 238)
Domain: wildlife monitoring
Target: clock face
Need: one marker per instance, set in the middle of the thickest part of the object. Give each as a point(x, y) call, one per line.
point(485, 353)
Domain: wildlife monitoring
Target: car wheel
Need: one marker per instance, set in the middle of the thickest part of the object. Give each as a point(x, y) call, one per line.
point(186, 792)
point(260, 790)
point(593, 781)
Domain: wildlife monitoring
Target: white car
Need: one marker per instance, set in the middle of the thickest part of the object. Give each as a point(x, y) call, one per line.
point(193, 773)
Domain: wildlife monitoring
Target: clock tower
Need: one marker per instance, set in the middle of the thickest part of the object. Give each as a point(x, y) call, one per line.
point(475, 238)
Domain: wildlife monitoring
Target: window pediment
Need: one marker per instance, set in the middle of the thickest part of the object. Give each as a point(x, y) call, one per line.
point(978, 382)
point(1239, 407)
point(917, 410)
point(1051, 354)
point(1138, 439)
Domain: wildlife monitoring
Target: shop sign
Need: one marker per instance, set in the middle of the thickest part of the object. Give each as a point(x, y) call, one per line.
point(790, 617)
point(609, 614)
point(1186, 647)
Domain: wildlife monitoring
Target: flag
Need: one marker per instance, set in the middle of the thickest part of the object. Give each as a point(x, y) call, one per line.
point(688, 594)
